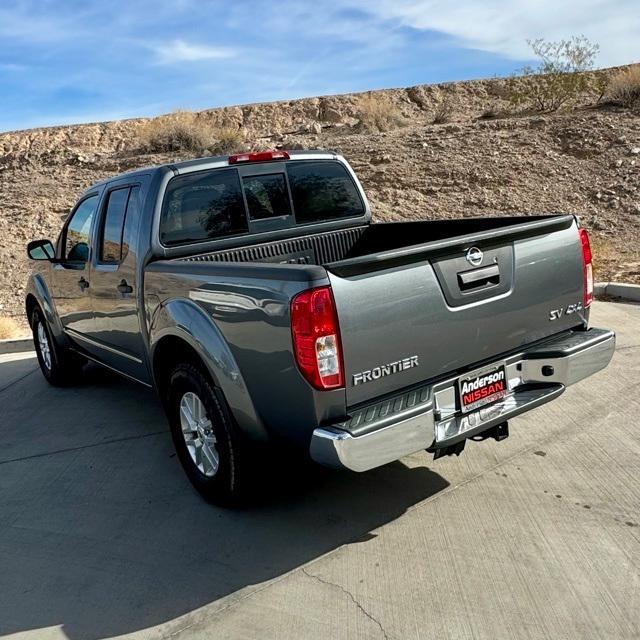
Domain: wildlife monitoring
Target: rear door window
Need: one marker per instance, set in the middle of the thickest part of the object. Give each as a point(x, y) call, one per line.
point(267, 196)
point(323, 190)
point(111, 244)
point(122, 205)
point(202, 205)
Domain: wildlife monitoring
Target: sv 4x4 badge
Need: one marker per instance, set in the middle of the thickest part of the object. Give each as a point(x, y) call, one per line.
point(556, 314)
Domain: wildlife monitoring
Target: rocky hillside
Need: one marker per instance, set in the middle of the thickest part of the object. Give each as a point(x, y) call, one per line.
point(482, 160)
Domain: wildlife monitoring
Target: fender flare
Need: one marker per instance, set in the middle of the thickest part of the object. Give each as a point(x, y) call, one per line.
point(183, 319)
point(38, 289)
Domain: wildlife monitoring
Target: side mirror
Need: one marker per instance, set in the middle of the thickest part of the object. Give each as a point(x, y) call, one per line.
point(41, 250)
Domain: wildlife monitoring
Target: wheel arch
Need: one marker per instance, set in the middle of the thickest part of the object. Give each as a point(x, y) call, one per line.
point(38, 295)
point(30, 305)
point(182, 332)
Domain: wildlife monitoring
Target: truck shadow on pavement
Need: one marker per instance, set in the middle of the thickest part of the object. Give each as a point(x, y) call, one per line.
point(101, 534)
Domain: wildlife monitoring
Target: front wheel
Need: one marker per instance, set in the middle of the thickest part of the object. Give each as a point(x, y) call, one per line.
point(59, 366)
point(205, 437)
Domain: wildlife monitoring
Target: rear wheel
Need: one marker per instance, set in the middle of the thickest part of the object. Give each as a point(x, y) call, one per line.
point(59, 366)
point(206, 439)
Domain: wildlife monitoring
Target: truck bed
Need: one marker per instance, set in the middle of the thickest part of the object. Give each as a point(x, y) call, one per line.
point(350, 249)
point(407, 290)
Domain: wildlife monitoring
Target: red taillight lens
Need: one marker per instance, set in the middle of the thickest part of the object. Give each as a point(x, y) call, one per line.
point(316, 338)
point(587, 267)
point(258, 156)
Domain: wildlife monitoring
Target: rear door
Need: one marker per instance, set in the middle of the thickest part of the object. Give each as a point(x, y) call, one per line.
point(418, 321)
point(115, 333)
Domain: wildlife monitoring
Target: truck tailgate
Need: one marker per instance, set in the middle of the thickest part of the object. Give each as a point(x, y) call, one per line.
point(406, 321)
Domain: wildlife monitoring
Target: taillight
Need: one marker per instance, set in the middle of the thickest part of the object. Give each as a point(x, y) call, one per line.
point(586, 267)
point(258, 156)
point(316, 338)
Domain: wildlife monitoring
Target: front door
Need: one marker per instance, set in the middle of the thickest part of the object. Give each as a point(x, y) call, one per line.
point(72, 271)
point(116, 326)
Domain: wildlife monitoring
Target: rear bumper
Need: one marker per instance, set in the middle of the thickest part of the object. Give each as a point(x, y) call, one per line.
point(427, 417)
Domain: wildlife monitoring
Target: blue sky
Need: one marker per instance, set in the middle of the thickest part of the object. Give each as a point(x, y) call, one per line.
point(67, 61)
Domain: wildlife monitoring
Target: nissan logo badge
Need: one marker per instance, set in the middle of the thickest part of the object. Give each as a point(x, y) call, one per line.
point(474, 256)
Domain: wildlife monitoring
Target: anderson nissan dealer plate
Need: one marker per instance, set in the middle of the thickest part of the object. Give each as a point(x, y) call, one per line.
point(478, 390)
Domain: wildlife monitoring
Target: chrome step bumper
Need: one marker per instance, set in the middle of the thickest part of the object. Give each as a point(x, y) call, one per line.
point(427, 417)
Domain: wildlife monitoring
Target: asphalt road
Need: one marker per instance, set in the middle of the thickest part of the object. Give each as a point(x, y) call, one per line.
point(534, 537)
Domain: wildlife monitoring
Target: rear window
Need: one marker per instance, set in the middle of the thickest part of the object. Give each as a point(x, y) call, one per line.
point(221, 202)
point(200, 206)
point(323, 191)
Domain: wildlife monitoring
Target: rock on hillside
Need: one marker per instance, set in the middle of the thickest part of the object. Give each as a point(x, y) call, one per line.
point(586, 161)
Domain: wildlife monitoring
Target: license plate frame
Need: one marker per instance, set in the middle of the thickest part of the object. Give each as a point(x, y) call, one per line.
point(482, 387)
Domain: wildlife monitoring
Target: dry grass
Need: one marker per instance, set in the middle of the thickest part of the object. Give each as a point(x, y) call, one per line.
point(227, 140)
point(624, 87)
point(605, 255)
point(187, 131)
point(378, 113)
point(493, 111)
point(178, 131)
point(444, 111)
point(9, 329)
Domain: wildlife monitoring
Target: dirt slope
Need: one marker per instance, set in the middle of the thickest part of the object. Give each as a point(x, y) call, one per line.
point(586, 161)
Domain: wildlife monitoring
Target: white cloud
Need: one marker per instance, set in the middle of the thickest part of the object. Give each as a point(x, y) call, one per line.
point(181, 51)
point(12, 66)
point(503, 26)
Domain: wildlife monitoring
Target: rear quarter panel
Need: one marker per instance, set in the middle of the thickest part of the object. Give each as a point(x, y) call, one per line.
point(247, 307)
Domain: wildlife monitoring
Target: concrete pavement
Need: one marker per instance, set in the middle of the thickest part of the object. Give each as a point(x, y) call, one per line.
point(535, 537)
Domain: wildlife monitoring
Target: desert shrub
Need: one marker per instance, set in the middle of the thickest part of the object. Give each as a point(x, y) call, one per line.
point(178, 131)
point(598, 84)
point(605, 254)
point(444, 110)
point(558, 78)
point(378, 113)
point(8, 328)
point(227, 140)
point(492, 112)
point(498, 88)
point(624, 87)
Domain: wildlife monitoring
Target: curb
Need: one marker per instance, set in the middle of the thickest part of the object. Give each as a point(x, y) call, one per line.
point(16, 346)
point(620, 290)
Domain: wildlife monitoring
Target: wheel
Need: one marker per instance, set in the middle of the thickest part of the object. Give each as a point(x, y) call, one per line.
point(207, 442)
point(59, 366)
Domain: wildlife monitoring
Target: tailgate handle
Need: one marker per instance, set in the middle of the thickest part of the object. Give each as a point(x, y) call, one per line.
point(484, 277)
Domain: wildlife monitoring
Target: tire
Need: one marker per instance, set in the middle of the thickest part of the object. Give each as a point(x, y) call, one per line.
point(59, 366)
point(207, 442)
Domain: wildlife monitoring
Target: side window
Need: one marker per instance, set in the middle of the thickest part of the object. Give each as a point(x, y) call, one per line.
point(111, 237)
point(267, 196)
point(76, 241)
point(202, 205)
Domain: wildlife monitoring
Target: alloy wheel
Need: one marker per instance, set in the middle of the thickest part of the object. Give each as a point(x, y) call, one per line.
point(43, 345)
point(198, 435)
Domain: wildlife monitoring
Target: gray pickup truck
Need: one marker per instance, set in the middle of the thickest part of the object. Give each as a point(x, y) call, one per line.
point(255, 295)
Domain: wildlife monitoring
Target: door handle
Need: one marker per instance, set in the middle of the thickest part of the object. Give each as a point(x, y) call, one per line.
point(84, 284)
point(123, 287)
point(478, 278)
